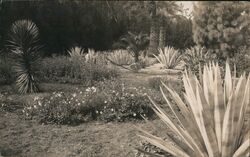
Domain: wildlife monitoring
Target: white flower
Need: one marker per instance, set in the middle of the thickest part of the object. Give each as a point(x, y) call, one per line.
point(29, 108)
point(83, 102)
point(96, 112)
point(132, 95)
point(112, 109)
point(59, 95)
point(105, 102)
point(78, 104)
point(88, 89)
point(80, 92)
point(39, 103)
point(74, 95)
point(134, 114)
point(35, 106)
point(36, 98)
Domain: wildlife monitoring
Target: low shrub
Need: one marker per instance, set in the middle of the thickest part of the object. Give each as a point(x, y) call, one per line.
point(66, 70)
point(6, 75)
point(123, 102)
point(110, 100)
point(196, 57)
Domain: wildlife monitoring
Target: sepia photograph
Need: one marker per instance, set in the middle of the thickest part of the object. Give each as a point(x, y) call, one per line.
point(88, 78)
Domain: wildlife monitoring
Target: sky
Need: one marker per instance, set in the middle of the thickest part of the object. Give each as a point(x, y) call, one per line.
point(187, 5)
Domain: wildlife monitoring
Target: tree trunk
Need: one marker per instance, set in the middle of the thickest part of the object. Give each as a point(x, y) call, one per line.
point(162, 36)
point(154, 31)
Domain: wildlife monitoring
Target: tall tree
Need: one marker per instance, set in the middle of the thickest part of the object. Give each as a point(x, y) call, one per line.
point(166, 11)
point(154, 30)
point(222, 27)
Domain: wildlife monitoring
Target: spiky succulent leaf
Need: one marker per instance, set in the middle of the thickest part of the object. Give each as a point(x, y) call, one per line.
point(169, 57)
point(23, 44)
point(211, 122)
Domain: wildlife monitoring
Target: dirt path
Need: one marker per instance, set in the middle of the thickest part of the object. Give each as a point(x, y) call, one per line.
point(24, 138)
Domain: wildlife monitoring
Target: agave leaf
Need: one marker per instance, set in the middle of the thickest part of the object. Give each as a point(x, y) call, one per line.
point(243, 150)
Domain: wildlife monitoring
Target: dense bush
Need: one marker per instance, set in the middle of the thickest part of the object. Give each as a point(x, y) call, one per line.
point(6, 77)
point(196, 57)
point(64, 69)
point(108, 101)
point(221, 27)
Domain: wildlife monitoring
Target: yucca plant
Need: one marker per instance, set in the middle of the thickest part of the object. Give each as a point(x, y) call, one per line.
point(211, 120)
point(24, 47)
point(169, 57)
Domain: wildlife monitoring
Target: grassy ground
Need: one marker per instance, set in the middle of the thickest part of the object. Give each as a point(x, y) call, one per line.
point(26, 138)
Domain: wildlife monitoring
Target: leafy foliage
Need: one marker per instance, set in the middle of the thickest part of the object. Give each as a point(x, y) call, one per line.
point(6, 76)
point(211, 121)
point(222, 27)
point(135, 44)
point(73, 70)
point(169, 57)
point(107, 101)
point(24, 46)
point(196, 57)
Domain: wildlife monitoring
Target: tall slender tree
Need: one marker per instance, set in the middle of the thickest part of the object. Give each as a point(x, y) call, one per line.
point(166, 10)
point(154, 30)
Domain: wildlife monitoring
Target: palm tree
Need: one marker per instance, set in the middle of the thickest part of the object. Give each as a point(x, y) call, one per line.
point(135, 44)
point(166, 11)
point(160, 12)
point(154, 31)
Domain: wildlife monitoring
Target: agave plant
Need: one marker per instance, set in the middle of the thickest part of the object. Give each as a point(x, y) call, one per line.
point(91, 56)
point(23, 44)
point(169, 57)
point(121, 57)
point(76, 52)
point(210, 122)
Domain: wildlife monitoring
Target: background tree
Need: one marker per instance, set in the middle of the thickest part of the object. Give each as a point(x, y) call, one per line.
point(154, 29)
point(166, 11)
point(222, 27)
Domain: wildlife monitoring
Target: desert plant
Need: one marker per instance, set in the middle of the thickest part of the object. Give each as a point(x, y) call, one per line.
point(23, 44)
point(76, 52)
point(91, 56)
point(121, 57)
point(211, 119)
point(169, 57)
